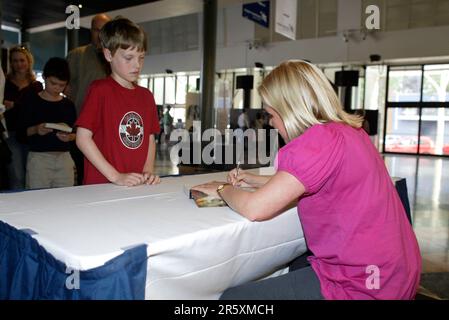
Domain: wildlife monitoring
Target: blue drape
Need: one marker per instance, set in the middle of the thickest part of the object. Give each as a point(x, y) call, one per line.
point(28, 271)
point(401, 187)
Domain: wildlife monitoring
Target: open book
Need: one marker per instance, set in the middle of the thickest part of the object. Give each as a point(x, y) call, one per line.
point(203, 200)
point(59, 126)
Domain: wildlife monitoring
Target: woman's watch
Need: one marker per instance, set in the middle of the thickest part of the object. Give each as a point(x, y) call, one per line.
point(221, 187)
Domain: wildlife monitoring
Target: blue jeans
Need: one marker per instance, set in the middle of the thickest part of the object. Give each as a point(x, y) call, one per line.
point(16, 168)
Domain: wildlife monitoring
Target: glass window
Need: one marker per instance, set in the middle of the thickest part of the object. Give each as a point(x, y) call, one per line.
point(170, 90)
point(150, 84)
point(159, 90)
point(436, 83)
point(192, 83)
point(179, 113)
point(402, 130)
point(376, 81)
point(404, 85)
point(357, 95)
point(143, 82)
point(181, 89)
point(434, 131)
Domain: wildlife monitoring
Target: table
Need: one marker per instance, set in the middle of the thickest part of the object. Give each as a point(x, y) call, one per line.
point(193, 253)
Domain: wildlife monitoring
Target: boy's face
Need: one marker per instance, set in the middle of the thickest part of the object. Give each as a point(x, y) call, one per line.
point(126, 64)
point(54, 86)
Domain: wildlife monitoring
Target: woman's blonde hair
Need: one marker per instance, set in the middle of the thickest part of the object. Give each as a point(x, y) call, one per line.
point(302, 96)
point(30, 74)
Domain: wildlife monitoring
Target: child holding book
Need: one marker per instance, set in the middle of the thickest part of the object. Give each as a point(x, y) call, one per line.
point(49, 163)
point(118, 120)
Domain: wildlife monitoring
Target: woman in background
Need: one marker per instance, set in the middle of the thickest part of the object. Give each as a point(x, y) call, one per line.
point(19, 81)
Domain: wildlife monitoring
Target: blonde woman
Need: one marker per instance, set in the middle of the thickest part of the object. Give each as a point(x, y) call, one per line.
point(363, 246)
point(19, 80)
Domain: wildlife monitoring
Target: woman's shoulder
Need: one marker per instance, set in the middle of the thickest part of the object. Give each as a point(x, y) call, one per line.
point(322, 130)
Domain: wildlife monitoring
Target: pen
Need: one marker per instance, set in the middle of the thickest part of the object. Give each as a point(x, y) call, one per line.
point(238, 169)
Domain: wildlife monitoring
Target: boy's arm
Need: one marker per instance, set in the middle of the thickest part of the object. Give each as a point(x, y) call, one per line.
point(148, 168)
point(90, 150)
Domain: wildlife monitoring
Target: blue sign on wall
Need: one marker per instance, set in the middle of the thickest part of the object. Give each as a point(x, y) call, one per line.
point(258, 12)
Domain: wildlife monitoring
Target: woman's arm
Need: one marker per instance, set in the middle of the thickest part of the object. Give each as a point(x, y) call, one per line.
point(246, 179)
point(266, 202)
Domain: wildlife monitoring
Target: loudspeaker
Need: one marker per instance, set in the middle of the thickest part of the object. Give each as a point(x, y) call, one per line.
point(372, 116)
point(349, 78)
point(244, 82)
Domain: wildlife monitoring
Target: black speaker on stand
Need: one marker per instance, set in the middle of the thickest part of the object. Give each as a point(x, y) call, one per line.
point(347, 79)
point(246, 83)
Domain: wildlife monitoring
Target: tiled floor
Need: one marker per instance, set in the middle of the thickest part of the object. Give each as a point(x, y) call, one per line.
point(428, 189)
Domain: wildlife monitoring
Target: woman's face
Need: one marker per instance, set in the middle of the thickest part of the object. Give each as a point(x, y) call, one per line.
point(19, 62)
point(276, 122)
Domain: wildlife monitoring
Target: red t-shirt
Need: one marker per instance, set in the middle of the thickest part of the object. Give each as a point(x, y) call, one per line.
point(121, 121)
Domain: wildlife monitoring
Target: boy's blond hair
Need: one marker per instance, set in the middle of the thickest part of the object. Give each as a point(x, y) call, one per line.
point(303, 96)
point(122, 33)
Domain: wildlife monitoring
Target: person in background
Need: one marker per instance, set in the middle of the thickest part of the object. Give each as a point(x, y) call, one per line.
point(160, 114)
point(243, 120)
point(49, 163)
point(5, 153)
point(259, 123)
point(118, 121)
point(20, 81)
point(168, 125)
point(362, 244)
point(86, 64)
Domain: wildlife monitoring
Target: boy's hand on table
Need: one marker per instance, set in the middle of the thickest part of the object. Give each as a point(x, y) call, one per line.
point(151, 178)
point(129, 179)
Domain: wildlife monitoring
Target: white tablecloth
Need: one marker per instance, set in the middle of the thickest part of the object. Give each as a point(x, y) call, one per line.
point(194, 253)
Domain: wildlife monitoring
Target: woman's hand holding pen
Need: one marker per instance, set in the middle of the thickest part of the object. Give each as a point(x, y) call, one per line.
point(240, 178)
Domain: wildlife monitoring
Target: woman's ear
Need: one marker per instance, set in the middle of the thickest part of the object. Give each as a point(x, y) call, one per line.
point(107, 54)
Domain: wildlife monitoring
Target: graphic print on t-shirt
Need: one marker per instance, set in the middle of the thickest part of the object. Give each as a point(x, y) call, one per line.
point(131, 130)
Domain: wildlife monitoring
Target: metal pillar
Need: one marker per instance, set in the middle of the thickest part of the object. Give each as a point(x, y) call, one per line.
point(208, 63)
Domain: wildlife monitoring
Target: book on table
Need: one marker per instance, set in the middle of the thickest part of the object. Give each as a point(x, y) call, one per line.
point(59, 126)
point(203, 200)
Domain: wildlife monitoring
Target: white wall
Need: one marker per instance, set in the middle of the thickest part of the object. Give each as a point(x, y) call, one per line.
point(234, 31)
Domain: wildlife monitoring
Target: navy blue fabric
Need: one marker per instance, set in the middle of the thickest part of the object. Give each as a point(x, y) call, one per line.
point(401, 187)
point(28, 271)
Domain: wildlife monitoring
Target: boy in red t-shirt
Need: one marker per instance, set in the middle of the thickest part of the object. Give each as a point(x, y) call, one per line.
point(119, 119)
